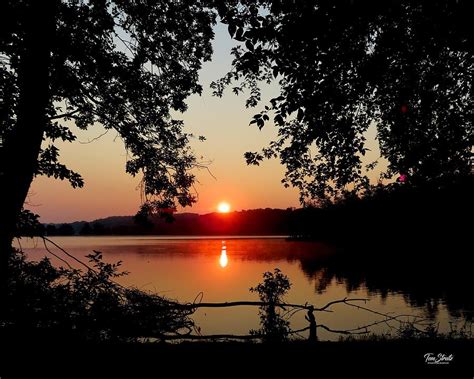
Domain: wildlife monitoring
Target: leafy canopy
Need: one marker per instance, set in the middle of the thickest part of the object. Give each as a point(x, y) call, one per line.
point(403, 66)
point(126, 65)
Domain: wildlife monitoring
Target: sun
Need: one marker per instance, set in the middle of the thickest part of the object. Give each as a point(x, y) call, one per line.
point(223, 207)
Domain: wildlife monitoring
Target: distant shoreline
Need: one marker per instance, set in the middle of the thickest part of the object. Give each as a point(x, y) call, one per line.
point(178, 237)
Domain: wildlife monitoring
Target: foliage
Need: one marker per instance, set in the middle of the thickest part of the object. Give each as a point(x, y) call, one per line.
point(29, 225)
point(85, 304)
point(403, 67)
point(126, 66)
point(271, 291)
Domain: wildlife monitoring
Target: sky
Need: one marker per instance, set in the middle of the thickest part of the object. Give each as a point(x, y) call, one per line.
point(223, 121)
point(110, 191)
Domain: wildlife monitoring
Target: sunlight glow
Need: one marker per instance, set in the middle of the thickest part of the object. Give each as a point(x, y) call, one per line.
point(223, 260)
point(223, 207)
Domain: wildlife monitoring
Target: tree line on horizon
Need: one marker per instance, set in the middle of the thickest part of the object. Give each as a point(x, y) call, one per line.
point(248, 222)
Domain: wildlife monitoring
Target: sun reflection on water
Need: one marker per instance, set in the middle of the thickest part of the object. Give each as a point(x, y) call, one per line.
point(223, 260)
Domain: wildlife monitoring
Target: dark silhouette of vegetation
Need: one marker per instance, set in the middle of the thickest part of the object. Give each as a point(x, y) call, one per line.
point(247, 222)
point(404, 67)
point(274, 287)
point(124, 65)
point(66, 302)
point(65, 230)
point(393, 216)
point(85, 230)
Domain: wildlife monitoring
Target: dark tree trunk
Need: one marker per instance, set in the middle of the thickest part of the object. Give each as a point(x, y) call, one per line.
point(20, 150)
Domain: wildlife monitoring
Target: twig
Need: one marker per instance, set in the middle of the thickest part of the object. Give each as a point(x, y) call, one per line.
point(111, 281)
point(95, 138)
point(344, 301)
point(69, 255)
point(342, 331)
point(198, 298)
point(55, 255)
point(299, 330)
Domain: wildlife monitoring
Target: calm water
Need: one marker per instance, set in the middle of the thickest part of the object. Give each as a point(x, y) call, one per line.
point(223, 269)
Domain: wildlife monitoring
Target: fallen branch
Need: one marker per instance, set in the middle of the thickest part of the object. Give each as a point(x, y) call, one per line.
point(263, 304)
point(212, 337)
point(355, 331)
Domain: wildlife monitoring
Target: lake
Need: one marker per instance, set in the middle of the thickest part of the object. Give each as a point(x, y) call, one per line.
point(219, 269)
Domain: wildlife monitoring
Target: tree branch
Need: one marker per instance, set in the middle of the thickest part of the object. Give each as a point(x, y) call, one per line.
point(64, 115)
point(213, 336)
point(342, 331)
point(69, 255)
point(260, 304)
point(343, 301)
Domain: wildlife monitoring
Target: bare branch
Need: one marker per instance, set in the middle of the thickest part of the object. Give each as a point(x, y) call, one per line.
point(342, 331)
point(95, 138)
point(380, 313)
point(212, 336)
point(280, 305)
point(65, 252)
point(343, 301)
point(55, 255)
point(242, 303)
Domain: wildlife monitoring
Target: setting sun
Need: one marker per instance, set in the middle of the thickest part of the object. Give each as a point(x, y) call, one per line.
point(223, 207)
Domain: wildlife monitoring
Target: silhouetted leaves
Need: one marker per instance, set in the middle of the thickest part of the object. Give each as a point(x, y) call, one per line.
point(275, 285)
point(85, 304)
point(123, 65)
point(404, 67)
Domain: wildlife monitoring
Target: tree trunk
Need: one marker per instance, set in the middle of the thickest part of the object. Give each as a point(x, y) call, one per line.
point(21, 147)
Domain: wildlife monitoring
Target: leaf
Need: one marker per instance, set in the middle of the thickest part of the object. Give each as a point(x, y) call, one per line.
point(232, 28)
point(239, 35)
point(300, 115)
point(275, 70)
point(249, 45)
point(278, 119)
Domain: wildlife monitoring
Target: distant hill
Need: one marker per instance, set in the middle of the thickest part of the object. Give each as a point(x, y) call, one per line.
point(247, 222)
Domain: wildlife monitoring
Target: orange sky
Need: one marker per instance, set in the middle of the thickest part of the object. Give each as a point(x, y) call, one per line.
point(225, 123)
point(110, 191)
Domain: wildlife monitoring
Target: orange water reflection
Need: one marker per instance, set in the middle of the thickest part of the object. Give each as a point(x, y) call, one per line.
point(182, 268)
point(223, 260)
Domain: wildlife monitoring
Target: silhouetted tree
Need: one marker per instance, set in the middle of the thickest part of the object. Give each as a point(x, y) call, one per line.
point(65, 230)
point(51, 230)
point(98, 228)
point(271, 291)
point(403, 66)
point(125, 65)
point(86, 230)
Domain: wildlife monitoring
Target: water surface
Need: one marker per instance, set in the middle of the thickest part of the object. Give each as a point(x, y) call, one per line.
point(219, 269)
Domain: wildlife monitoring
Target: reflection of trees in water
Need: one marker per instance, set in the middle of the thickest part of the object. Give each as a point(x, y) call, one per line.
point(422, 283)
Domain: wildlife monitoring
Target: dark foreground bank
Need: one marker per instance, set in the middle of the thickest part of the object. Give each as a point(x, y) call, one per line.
point(341, 359)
